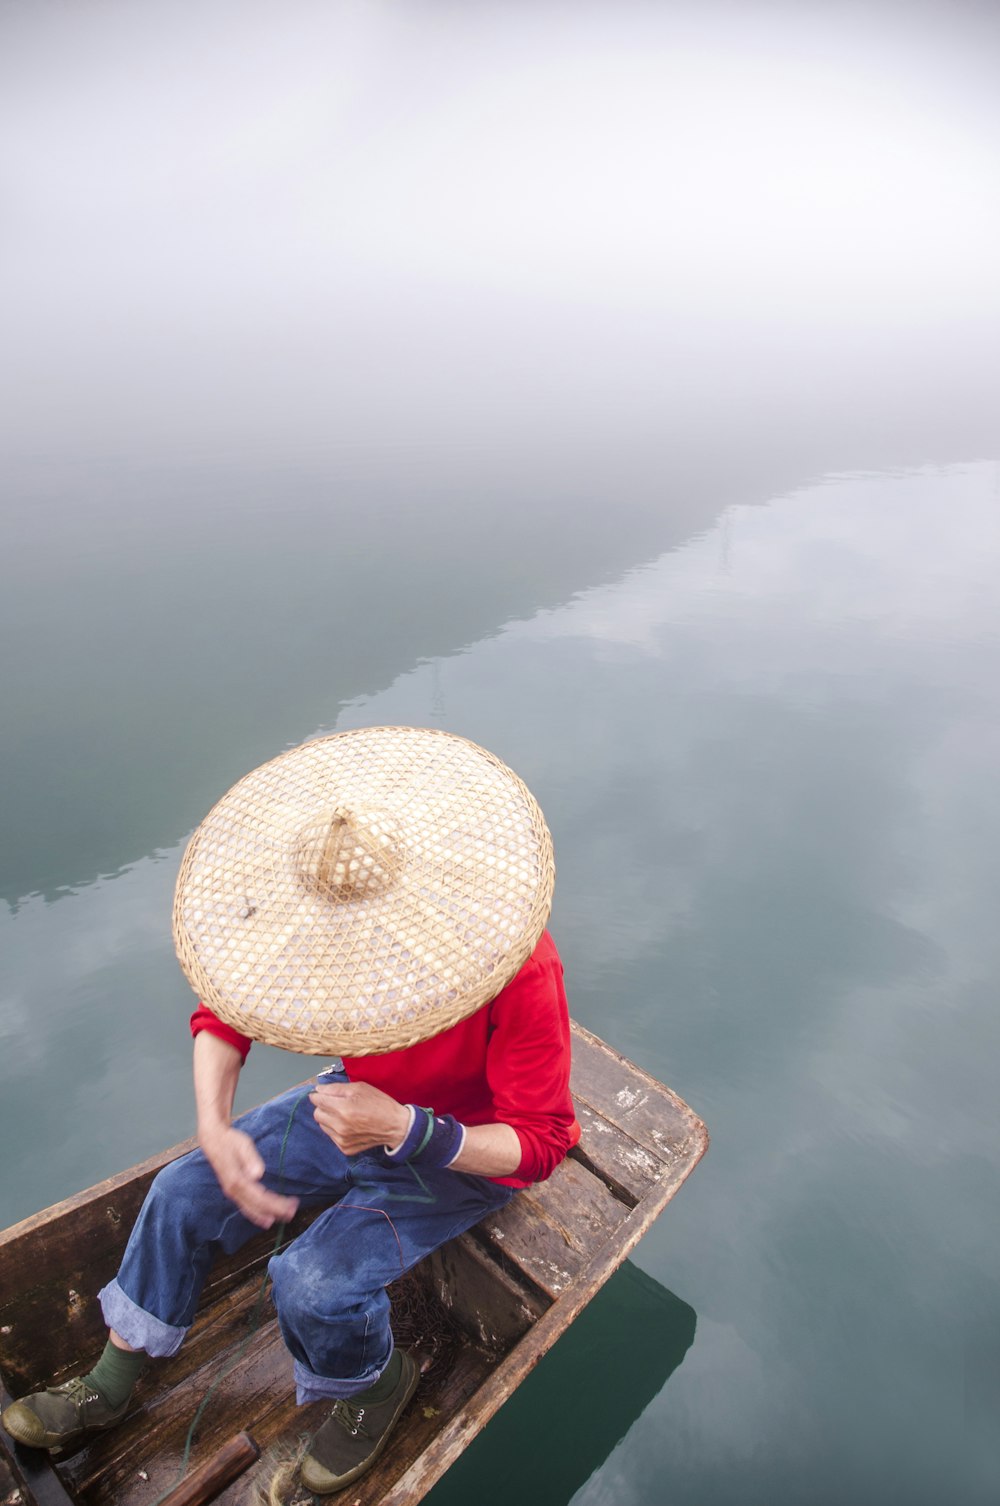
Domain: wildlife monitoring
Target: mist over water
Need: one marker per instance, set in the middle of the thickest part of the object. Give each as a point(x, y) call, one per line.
point(615, 385)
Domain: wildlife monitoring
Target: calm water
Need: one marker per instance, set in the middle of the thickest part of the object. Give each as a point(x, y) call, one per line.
point(615, 385)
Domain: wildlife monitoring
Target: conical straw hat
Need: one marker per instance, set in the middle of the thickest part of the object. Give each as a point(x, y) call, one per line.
point(364, 891)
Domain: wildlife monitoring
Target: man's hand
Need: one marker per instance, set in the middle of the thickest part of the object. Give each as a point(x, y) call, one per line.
point(231, 1154)
point(238, 1165)
point(358, 1117)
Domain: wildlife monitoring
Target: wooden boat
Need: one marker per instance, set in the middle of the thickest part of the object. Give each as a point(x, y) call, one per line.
point(480, 1313)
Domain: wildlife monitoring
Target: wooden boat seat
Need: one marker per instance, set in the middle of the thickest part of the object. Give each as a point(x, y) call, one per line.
point(487, 1306)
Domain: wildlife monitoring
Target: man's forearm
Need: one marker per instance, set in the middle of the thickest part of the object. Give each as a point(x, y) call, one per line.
point(230, 1152)
point(216, 1072)
point(490, 1150)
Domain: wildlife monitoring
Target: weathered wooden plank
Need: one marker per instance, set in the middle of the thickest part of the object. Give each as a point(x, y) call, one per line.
point(217, 1332)
point(547, 1232)
point(627, 1167)
point(51, 1268)
point(220, 1326)
point(625, 1095)
point(50, 1319)
point(243, 1385)
point(27, 1346)
point(43, 1336)
point(488, 1304)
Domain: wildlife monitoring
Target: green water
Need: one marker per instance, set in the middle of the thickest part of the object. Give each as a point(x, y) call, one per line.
point(616, 386)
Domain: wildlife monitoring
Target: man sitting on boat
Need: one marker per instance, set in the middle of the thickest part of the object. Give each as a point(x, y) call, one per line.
point(381, 893)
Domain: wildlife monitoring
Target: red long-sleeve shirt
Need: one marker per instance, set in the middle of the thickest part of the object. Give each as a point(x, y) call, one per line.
point(506, 1064)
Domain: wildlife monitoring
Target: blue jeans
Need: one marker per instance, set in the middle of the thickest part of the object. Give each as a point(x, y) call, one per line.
point(328, 1285)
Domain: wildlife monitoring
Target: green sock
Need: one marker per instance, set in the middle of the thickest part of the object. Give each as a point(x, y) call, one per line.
point(116, 1372)
point(386, 1383)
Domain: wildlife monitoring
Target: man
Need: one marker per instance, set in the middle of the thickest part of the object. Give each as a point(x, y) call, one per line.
point(420, 1142)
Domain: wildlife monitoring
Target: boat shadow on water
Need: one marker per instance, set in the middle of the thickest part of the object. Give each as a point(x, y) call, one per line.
point(570, 1414)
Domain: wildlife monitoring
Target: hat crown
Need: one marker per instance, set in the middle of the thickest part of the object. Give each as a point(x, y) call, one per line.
point(348, 854)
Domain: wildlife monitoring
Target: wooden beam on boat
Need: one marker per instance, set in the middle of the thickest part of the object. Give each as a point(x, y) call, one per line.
point(225, 1466)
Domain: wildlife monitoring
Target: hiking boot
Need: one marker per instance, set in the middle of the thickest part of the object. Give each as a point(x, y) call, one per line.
point(57, 1417)
point(355, 1434)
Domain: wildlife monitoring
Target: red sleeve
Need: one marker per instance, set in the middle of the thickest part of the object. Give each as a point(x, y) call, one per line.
point(528, 1061)
point(204, 1019)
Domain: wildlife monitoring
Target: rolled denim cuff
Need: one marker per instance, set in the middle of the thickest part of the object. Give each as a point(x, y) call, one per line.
point(312, 1387)
point(137, 1327)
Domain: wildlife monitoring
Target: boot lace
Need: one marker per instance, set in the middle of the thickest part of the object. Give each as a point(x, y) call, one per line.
point(78, 1390)
point(350, 1416)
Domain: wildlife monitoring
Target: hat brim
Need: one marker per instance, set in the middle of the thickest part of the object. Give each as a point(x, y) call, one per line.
point(438, 898)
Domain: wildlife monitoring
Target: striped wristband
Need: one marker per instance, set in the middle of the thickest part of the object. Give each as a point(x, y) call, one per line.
point(442, 1145)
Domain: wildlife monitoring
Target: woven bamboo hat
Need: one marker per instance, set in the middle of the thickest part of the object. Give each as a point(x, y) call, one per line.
point(363, 891)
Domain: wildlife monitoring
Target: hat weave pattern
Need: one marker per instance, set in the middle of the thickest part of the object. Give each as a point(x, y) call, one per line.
point(364, 891)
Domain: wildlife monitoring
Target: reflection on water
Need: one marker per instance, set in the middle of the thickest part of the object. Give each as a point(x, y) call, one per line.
point(615, 386)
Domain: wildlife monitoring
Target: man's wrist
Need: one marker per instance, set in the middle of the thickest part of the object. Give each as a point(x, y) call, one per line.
point(406, 1125)
point(212, 1131)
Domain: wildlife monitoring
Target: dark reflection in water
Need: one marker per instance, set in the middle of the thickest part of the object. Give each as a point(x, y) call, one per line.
point(171, 626)
point(580, 1402)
